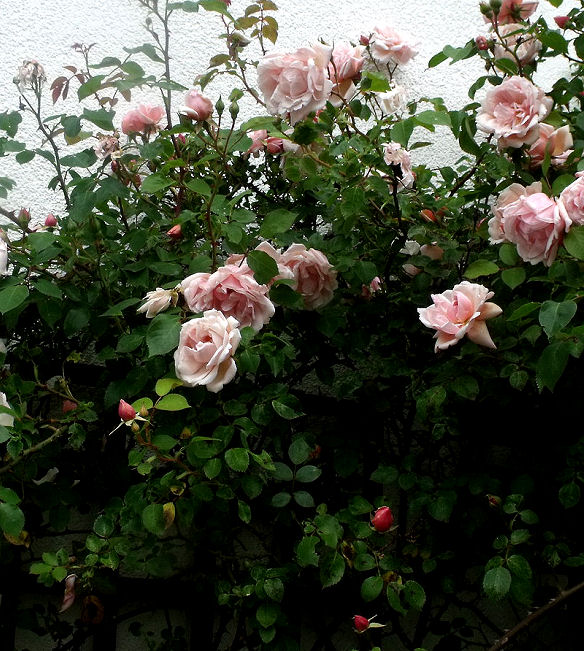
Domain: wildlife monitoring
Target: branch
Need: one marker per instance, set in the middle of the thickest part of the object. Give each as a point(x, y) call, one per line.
point(35, 448)
point(532, 617)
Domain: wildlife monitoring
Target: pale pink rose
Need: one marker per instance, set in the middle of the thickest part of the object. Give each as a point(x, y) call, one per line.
point(157, 301)
point(205, 351)
point(196, 106)
point(516, 44)
point(3, 258)
point(233, 291)
point(571, 201)
point(460, 311)
point(261, 140)
point(535, 225)
point(387, 45)
point(374, 286)
point(509, 195)
point(240, 260)
point(342, 92)
point(513, 10)
point(555, 141)
point(395, 155)
point(513, 110)
point(296, 83)
point(143, 119)
point(314, 276)
point(393, 100)
point(345, 66)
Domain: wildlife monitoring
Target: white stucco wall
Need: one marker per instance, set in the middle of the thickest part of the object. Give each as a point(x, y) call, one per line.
point(36, 29)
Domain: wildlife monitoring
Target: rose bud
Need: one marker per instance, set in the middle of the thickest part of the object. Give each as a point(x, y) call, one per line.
point(175, 232)
point(561, 21)
point(181, 138)
point(23, 216)
point(382, 519)
point(360, 623)
point(428, 215)
point(364, 40)
point(197, 107)
point(126, 411)
point(481, 42)
point(50, 220)
point(68, 405)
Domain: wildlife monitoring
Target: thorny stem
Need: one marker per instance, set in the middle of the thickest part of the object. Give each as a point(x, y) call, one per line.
point(35, 448)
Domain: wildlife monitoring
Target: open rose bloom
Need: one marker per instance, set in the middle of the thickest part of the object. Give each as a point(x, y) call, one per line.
point(534, 223)
point(513, 10)
point(240, 260)
point(296, 84)
point(556, 142)
point(513, 110)
point(345, 66)
point(260, 140)
point(197, 107)
point(205, 351)
point(388, 46)
point(314, 276)
point(571, 201)
point(143, 119)
point(232, 290)
point(458, 312)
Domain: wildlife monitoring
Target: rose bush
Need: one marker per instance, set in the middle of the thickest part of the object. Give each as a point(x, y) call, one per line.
point(218, 399)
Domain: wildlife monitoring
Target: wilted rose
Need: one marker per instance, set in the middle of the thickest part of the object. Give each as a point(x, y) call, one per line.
point(296, 83)
point(387, 45)
point(460, 311)
point(205, 351)
point(197, 107)
point(143, 119)
point(393, 100)
point(513, 110)
point(106, 146)
point(314, 276)
point(157, 301)
point(556, 142)
point(233, 291)
point(31, 74)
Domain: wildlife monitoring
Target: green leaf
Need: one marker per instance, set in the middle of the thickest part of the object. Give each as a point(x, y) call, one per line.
point(267, 613)
point(11, 519)
point(393, 597)
point(199, 187)
point(153, 519)
point(163, 334)
point(166, 384)
point(308, 474)
point(116, 310)
point(574, 242)
point(76, 320)
point(298, 451)
point(12, 297)
point(101, 118)
point(47, 288)
point(155, 183)
point(569, 495)
point(524, 310)
point(480, 268)
point(513, 277)
point(519, 566)
point(87, 89)
point(551, 365)
point(212, 468)
point(284, 411)
point(554, 40)
point(466, 386)
point(281, 499)
point(243, 511)
point(555, 316)
point(497, 582)
point(237, 459)
point(263, 266)
point(274, 589)
point(332, 568)
point(277, 221)
point(371, 588)
point(172, 402)
point(103, 526)
point(402, 131)
point(303, 498)
point(519, 536)
point(305, 553)
point(441, 507)
point(164, 441)
point(9, 496)
point(414, 594)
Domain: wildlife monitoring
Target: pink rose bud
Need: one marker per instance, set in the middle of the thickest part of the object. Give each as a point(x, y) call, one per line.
point(50, 220)
point(364, 40)
point(382, 519)
point(24, 216)
point(561, 21)
point(69, 405)
point(181, 138)
point(197, 106)
point(482, 43)
point(125, 411)
point(360, 623)
point(175, 232)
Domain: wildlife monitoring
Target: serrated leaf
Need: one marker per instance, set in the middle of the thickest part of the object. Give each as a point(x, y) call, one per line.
point(277, 221)
point(11, 519)
point(393, 597)
point(153, 519)
point(237, 459)
point(555, 316)
point(155, 183)
point(263, 266)
point(513, 277)
point(298, 451)
point(332, 568)
point(308, 474)
point(496, 582)
point(284, 411)
point(551, 365)
point(303, 498)
point(569, 495)
point(519, 566)
point(414, 594)
point(166, 384)
point(163, 334)
point(371, 588)
point(274, 589)
point(305, 553)
point(12, 297)
point(281, 499)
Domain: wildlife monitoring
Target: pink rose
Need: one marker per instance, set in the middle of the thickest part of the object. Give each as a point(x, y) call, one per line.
point(509, 195)
point(393, 100)
point(513, 111)
point(374, 286)
point(389, 46)
point(513, 10)
point(205, 351)
point(395, 155)
point(555, 141)
point(143, 119)
point(197, 106)
point(157, 301)
point(240, 260)
point(516, 44)
point(261, 140)
point(296, 83)
point(3, 258)
point(571, 201)
point(314, 276)
point(345, 66)
point(535, 225)
point(233, 291)
point(460, 311)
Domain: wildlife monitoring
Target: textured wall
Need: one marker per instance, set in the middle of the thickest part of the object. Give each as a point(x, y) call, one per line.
point(36, 29)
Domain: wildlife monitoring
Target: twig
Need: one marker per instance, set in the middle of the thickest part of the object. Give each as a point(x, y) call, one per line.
point(35, 448)
point(532, 617)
